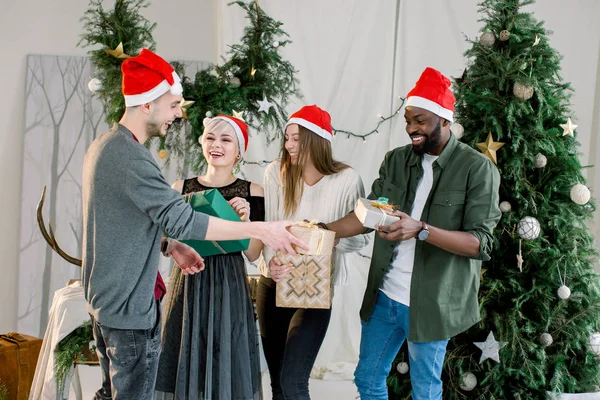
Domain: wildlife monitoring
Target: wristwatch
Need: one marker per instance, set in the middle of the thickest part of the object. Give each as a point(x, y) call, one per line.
point(424, 233)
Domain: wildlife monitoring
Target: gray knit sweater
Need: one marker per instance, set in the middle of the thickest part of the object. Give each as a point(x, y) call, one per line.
point(127, 204)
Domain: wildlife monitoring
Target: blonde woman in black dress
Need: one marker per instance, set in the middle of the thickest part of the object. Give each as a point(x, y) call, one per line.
point(210, 341)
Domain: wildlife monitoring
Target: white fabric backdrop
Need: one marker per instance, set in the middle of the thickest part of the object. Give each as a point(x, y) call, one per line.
point(354, 58)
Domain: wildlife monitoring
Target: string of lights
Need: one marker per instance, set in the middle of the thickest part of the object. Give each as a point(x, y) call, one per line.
point(363, 136)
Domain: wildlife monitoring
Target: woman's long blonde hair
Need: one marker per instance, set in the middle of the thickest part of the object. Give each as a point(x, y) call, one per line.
point(312, 147)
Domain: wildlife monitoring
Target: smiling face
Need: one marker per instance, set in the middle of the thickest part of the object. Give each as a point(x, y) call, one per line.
point(292, 142)
point(162, 112)
point(428, 132)
point(220, 144)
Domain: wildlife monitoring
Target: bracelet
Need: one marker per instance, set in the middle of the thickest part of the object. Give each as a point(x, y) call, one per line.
point(322, 225)
point(164, 246)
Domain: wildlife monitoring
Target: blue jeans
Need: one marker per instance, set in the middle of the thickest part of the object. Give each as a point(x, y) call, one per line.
point(129, 361)
point(382, 337)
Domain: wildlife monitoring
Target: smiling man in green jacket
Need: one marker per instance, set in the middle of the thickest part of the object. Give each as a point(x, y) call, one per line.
point(424, 274)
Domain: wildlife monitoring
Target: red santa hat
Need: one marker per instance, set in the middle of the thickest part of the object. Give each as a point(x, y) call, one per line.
point(432, 93)
point(314, 119)
point(146, 77)
point(239, 126)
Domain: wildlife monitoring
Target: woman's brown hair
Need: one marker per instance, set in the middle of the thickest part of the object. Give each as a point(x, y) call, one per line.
point(313, 148)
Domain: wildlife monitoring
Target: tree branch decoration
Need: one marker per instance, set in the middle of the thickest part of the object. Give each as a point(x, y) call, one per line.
point(254, 79)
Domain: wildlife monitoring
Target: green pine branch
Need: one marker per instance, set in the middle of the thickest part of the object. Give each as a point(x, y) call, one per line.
point(106, 30)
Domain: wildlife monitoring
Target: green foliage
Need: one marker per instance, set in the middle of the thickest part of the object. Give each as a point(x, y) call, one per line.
point(69, 348)
point(219, 89)
point(520, 306)
point(124, 24)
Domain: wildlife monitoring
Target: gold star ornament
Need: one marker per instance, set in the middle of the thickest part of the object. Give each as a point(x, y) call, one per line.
point(239, 115)
point(117, 52)
point(489, 147)
point(185, 106)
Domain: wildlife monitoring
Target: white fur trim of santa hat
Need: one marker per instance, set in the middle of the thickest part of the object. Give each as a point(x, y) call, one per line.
point(432, 106)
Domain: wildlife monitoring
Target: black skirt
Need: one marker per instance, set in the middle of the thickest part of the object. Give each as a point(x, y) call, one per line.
point(210, 339)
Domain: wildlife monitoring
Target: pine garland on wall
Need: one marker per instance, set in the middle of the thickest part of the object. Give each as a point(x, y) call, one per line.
point(254, 82)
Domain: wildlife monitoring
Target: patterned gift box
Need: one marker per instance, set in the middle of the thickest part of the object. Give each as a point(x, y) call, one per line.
point(309, 284)
point(373, 212)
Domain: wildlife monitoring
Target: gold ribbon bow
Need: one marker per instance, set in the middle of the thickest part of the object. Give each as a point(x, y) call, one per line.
point(313, 225)
point(382, 204)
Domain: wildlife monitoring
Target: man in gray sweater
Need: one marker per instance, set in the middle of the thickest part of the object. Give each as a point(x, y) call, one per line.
point(127, 205)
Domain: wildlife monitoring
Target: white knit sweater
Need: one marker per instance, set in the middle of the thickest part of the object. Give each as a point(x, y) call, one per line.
point(328, 200)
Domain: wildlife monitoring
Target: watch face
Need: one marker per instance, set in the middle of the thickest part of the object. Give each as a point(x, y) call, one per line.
point(423, 235)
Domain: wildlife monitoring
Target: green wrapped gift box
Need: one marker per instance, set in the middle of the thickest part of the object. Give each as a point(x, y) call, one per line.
point(211, 202)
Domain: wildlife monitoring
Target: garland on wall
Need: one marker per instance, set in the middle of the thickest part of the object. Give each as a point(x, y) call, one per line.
point(255, 82)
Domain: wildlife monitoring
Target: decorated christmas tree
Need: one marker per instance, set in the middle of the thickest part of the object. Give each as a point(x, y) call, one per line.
point(539, 294)
point(254, 82)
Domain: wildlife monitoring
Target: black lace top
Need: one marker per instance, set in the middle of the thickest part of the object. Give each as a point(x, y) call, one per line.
point(238, 188)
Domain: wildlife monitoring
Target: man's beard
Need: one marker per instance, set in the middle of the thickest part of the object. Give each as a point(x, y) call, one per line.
point(153, 129)
point(431, 141)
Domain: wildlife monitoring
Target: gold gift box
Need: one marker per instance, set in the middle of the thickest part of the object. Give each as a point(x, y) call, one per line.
point(309, 284)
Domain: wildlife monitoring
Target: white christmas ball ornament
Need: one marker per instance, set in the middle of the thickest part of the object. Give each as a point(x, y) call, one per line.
point(276, 44)
point(94, 85)
point(546, 339)
point(487, 39)
point(457, 129)
point(208, 114)
point(564, 292)
point(402, 367)
point(505, 207)
point(468, 381)
point(528, 228)
point(540, 160)
point(235, 82)
point(580, 194)
point(594, 343)
point(522, 91)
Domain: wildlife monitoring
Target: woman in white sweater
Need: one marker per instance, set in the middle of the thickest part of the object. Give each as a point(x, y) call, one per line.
point(305, 184)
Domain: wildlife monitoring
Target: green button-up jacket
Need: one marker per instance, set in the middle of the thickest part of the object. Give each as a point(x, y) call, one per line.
point(464, 197)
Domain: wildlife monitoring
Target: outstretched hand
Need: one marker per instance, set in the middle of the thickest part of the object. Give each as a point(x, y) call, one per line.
point(188, 259)
point(276, 236)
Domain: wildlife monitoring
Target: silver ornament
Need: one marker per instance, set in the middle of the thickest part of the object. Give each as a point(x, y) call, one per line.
point(546, 339)
point(208, 114)
point(487, 39)
point(505, 207)
point(540, 160)
point(594, 343)
point(528, 228)
point(580, 194)
point(276, 44)
point(457, 130)
point(95, 85)
point(504, 35)
point(402, 367)
point(564, 292)
point(522, 91)
point(468, 381)
point(235, 82)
